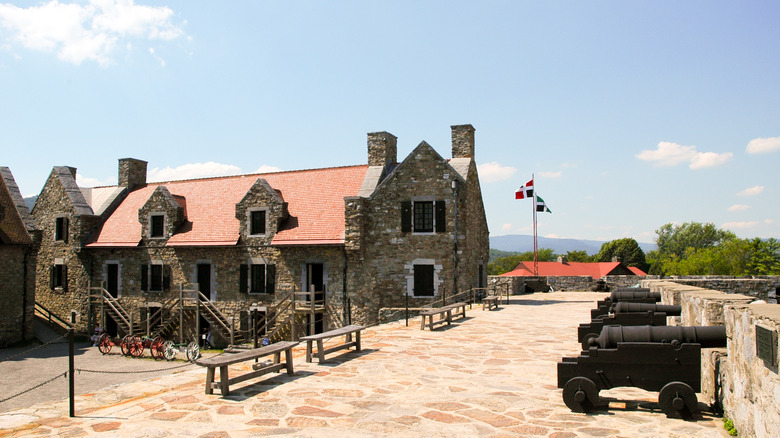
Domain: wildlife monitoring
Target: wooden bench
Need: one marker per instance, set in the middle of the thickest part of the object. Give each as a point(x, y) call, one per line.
point(490, 301)
point(347, 331)
point(458, 309)
point(445, 315)
point(261, 368)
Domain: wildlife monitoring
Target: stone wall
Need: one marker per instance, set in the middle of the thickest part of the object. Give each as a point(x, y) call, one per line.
point(751, 386)
point(18, 293)
point(763, 288)
point(734, 378)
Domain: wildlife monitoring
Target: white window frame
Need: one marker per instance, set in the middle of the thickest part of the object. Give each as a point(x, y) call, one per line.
point(437, 280)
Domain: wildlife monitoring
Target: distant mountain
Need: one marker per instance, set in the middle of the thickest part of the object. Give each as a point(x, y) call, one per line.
point(523, 243)
point(31, 201)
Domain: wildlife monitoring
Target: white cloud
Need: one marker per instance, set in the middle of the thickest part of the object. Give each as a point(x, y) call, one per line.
point(193, 170)
point(738, 207)
point(552, 236)
point(672, 154)
point(709, 159)
point(267, 169)
point(85, 181)
point(751, 191)
point(506, 227)
point(746, 224)
point(551, 174)
point(494, 172)
point(763, 145)
point(668, 154)
point(81, 32)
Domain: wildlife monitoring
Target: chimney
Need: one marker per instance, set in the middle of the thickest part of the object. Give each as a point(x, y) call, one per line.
point(462, 141)
point(132, 173)
point(382, 148)
point(562, 259)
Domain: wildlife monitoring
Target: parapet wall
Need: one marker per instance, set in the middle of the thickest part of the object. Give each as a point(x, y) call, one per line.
point(733, 378)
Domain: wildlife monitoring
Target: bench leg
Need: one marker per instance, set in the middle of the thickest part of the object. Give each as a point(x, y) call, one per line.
point(308, 350)
point(422, 323)
point(223, 381)
point(288, 361)
point(209, 380)
point(449, 317)
point(320, 350)
point(357, 341)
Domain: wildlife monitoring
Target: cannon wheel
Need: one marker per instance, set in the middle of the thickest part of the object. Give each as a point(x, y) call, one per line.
point(193, 351)
point(580, 394)
point(124, 344)
point(157, 348)
point(168, 351)
point(136, 346)
point(586, 341)
point(104, 343)
point(678, 400)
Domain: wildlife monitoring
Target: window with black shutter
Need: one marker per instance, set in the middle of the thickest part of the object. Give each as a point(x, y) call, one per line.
point(145, 278)
point(156, 278)
point(257, 278)
point(58, 277)
point(423, 280)
point(406, 217)
point(441, 216)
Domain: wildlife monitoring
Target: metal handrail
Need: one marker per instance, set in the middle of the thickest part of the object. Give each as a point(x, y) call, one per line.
point(51, 315)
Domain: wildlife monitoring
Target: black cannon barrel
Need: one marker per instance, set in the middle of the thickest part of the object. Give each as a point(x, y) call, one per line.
point(635, 294)
point(706, 336)
point(627, 307)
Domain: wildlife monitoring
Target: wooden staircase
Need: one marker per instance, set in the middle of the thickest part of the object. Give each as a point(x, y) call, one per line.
point(106, 304)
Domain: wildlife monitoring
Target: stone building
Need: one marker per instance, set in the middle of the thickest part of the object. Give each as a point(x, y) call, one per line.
point(18, 245)
point(361, 238)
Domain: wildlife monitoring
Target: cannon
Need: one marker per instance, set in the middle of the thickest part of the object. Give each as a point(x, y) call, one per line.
point(625, 295)
point(627, 314)
point(664, 359)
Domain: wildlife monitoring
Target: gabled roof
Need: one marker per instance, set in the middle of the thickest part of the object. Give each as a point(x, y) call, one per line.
point(315, 203)
point(67, 177)
point(16, 223)
point(572, 269)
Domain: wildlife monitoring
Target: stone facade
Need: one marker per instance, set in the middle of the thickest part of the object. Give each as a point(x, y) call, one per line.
point(372, 267)
point(19, 240)
point(734, 378)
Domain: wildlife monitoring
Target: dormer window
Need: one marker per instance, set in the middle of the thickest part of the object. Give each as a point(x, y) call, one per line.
point(257, 222)
point(61, 229)
point(157, 225)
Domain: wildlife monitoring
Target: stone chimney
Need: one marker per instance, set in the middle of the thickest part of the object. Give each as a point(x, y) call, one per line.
point(132, 173)
point(562, 259)
point(462, 141)
point(382, 148)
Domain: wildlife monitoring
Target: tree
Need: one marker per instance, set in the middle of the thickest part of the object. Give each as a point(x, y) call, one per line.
point(676, 239)
point(578, 256)
point(508, 263)
point(626, 250)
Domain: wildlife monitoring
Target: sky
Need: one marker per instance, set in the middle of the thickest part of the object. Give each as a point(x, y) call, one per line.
point(628, 115)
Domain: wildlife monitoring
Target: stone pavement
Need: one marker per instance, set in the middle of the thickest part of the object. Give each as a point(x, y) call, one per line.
point(492, 374)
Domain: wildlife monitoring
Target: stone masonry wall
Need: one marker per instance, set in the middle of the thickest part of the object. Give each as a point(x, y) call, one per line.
point(16, 319)
point(751, 386)
point(763, 288)
point(746, 387)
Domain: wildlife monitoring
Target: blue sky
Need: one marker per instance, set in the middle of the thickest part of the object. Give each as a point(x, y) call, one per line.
point(630, 115)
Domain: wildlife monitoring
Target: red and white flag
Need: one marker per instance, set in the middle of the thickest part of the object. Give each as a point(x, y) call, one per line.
point(525, 191)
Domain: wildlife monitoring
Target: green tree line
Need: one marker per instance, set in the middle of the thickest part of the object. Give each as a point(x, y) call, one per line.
point(692, 248)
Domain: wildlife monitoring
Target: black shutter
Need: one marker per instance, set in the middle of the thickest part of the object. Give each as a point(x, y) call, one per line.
point(166, 277)
point(243, 278)
point(51, 277)
point(270, 279)
point(441, 217)
point(65, 228)
point(406, 216)
point(64, 278)
point(145, 277)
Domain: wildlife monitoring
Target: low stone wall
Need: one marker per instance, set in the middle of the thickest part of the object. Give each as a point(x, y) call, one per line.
point(498, 285)
point(733, 378)
point(751, 386)
point(763, 288)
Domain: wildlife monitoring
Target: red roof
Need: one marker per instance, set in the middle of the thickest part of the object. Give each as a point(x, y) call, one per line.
point(572, 269)
point(315, 198)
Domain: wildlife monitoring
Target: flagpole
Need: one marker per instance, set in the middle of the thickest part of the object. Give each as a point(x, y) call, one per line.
point(536, 243)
